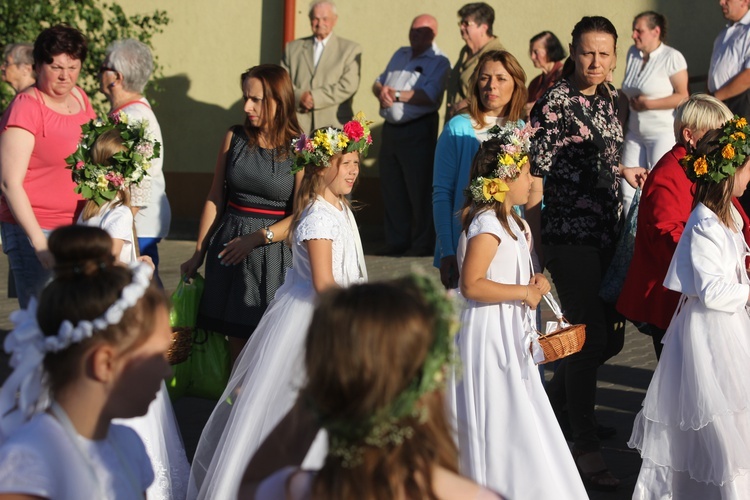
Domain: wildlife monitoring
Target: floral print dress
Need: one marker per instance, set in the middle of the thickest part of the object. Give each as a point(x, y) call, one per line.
point(577, 151)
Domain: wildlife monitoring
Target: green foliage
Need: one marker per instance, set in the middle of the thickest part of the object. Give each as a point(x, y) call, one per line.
point(101, 23)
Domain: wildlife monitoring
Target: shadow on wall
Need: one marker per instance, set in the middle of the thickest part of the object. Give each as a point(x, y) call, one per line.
point(192, 132)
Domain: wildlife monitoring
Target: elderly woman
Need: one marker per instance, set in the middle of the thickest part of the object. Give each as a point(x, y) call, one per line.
point(498, 93)
point(547, 54)
point(38, 131)
point(18, 66)
point(666, 203)
point(576, 150)
point(656, 81)
point(247, 214)
point(123, 75)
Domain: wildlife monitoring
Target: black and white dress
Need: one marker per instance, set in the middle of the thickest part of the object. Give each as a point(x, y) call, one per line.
point(259, 191)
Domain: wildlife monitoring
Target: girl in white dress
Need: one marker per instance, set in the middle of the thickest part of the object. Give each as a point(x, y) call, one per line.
point(506, 429)
point(269, 372)
point(693, 431)
point(119, 151)
point(93, 350)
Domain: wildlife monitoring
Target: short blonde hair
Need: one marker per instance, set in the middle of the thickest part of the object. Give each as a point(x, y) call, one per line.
point(699, 112)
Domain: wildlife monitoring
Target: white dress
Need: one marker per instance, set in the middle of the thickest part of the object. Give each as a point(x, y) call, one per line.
point(693, 431)
point(42, 459)
point(507, 432)
point(118, 222)
point(269, 372)
point(158, 428)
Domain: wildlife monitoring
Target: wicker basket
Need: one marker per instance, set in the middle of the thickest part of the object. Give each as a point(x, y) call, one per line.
point(182, 343)
point(562, 342)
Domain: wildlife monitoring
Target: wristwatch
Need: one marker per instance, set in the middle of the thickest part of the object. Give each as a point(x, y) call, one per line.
point(269, 236)
point(397, 96)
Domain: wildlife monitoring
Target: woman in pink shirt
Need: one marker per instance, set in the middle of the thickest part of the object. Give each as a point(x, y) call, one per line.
point(40, 128)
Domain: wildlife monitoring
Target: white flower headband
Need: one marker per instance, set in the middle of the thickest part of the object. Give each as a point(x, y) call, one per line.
point(24, 393)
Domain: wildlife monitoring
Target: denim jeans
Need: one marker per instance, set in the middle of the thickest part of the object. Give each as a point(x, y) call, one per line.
point(28, 272)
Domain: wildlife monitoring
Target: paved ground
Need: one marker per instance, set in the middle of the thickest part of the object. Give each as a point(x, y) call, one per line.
point(622, 382)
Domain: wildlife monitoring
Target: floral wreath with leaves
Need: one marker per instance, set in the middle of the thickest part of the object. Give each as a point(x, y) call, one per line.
point(386, 427)
point(516, 146)
point(326, 142)
point(101, 183)
point(723, 162)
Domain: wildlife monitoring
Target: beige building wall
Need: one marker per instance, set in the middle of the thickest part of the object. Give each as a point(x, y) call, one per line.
point(209, 44)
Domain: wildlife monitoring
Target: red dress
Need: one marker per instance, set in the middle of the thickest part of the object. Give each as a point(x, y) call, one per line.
point(666, 203)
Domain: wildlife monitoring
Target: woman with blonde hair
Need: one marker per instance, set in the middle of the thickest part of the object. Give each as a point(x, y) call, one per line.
point(376, 358)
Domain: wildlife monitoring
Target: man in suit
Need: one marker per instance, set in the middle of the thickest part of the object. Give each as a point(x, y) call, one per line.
point(324, 70)
point(410, 91)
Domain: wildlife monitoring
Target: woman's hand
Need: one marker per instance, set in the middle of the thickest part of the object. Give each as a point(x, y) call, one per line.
point(148, 260)
point(190, 266)
point(640, 103)
point(239, 248)
point(635, 176)
point(540, 281)
point(449, 271)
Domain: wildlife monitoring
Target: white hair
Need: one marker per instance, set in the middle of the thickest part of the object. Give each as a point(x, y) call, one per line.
point(315, 3)
point(133, 60)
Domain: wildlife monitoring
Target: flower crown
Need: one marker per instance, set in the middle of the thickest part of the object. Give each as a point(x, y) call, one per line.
point(23, 393)
point(386, 427)
point(100, 183)
point(326, 142)
point(516, 146)
point(724, 161)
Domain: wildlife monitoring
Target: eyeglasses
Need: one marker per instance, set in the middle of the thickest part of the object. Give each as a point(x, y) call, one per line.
point(465, 24)
point(7, 64)
point(104, 69)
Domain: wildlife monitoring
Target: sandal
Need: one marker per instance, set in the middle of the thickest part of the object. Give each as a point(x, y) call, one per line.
point(593, 471)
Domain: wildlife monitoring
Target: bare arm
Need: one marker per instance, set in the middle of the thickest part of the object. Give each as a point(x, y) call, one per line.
point(239, 248)
point(680, 85)
point(16, 146)
point(286, 445)
point(480, 251)
point(735, 86)
point(321, 264)
point(212, 211)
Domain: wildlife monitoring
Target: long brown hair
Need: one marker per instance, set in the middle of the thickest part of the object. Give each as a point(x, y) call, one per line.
point(717, 196)
point(365, 345)
point(105, 147)
point(310, 186)
point(485, 161)
point(85, 282)
point(520, 93)
point(283, 126)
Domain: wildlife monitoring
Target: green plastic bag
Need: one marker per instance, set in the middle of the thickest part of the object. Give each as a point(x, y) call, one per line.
point(206, 371)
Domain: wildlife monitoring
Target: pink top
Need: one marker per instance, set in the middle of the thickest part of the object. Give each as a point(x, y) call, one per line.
point(48, 184)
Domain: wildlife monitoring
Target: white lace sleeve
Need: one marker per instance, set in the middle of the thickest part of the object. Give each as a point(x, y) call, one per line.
point(140, 195)
point(24, 470)
point(317, 225)
point(485, 222)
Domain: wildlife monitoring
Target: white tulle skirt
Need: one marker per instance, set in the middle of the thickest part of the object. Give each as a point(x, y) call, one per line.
point(694, 429)
point(263, 387)
point(160, 434)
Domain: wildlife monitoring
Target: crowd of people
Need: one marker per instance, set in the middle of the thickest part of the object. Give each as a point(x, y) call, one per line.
point(346, 389)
